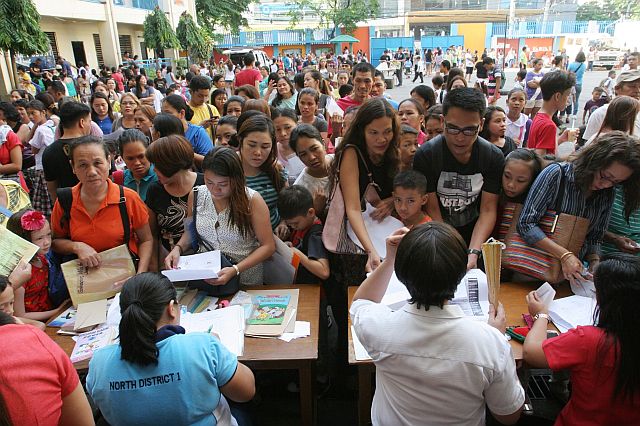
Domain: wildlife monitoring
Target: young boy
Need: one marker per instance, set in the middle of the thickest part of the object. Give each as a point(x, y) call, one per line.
point(597, 100)
point(295, 205)
point(609, 83)
point(437, 81)
point(410, 197)
point(520, 76)
point(408, 146)
point(556, 89)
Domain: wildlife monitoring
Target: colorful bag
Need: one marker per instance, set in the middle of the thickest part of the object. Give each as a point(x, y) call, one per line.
point(565, 230)
point(334, 234)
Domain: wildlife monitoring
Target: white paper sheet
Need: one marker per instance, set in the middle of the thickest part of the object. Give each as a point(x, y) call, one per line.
point(546, 293)
point(227, 323)
point(584, 288)
point(396, 295)
point(472, 295)
point(378, 231)
point(570, 312)
point(199, 266)
point(360, 352)
point(302, 329)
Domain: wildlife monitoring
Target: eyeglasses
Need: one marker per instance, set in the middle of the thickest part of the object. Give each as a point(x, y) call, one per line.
point(467, 131)
point(611, 180)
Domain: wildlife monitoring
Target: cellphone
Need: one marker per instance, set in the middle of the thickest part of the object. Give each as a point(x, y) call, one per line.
point(552, 333)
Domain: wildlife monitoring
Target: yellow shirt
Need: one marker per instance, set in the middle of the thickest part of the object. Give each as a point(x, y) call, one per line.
point(17, 199)
point(202, 113)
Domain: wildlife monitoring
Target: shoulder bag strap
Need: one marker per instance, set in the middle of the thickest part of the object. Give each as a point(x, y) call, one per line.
point(559, 198)
point(124, 216)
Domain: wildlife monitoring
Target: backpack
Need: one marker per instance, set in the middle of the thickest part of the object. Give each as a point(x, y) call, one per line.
point(503, 79)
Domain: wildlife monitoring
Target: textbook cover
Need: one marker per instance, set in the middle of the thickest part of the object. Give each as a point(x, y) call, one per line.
point(91, 341)
point(269, 310)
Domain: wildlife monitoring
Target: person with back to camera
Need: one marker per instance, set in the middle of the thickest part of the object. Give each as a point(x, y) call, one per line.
point(602, 356)
point(466, 366)
point(157, 374)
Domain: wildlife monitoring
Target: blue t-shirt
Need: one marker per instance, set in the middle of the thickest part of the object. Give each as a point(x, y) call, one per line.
point(182, 389)
point(578, 68)
point(105, 125)
point(200, 140)
point(144, 184)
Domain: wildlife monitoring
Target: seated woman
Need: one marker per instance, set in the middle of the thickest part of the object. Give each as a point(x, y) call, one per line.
point(139, 174)
point(603, 356)
point(613, 159)
point(466, 366)
point(94, 222)
point(230, 217)
point(187, 376)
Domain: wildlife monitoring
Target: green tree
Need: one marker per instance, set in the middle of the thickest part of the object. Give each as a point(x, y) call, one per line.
point(334, 14)
point(157, 33)
point(193, 38)
point(20, 31)
point(608, 10)
point(219, 16)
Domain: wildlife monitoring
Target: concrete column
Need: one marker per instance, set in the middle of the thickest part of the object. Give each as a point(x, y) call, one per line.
point(109, 40)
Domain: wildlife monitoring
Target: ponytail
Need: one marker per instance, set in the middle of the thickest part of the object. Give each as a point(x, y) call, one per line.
point(178, 103)
point(143, 299)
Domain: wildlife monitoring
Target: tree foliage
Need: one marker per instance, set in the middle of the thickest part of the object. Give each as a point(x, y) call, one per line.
point(193, 38)
point(158, 33)
point(20, 30)
point(608, 10)
point(343, 14)
point(219, 16)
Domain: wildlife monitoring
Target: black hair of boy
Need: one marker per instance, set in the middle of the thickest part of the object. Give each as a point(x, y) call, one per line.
point(249, 58)
point(4, 282)
point(466, 98)
point(199, 82)
point(522, 74)
point(446, 64)
point(294, 201)
point(345, 90)
point(556, 82)
point(487, 60)
point(305, 131)
point(410, 179)
point(72, 112)
point(437, 80)
point(407, 130)
point(431, 261)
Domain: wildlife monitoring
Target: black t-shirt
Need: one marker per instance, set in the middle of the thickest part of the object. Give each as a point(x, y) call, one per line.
point(56, 164)
point(312, 246)
point(382, 176)
point(170, 211)
point(385, 57)
point(509, 146)
point(481, 71)
point(459, 186)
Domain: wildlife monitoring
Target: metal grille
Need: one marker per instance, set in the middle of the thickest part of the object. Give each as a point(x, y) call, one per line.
point(53, 42)
point(96, 41)
point(125, 44)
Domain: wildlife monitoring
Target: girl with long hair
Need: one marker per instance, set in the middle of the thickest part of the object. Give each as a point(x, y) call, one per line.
point(145, 93)
point(285, 121)
point(102, 112)
point(286, 96)
point(621, 115)
point(494, 129)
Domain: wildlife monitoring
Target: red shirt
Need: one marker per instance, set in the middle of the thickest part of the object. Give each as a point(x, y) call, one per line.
point(36, 290)
point(248, 76)
point(346, 102)
point(592, 378)
point(12, 142)
point(542, 134)
point(37, 374)
point(117, 77)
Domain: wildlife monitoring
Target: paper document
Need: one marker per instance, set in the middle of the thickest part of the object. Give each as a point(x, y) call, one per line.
point(584, 288)
point(201, 266)
point(546, 293)
point(378, 231)
point(227, 323)
point(570, 312)
point(472, 295)
point(91, 313)
point(13, 249)
point(396, 295)
point(302, 329)
point(360, 352)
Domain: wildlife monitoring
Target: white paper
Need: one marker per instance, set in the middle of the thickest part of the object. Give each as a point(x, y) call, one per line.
point(360, 352)
point(584, 288)
point(302, 329)
point(333, 108)
point(570, 312)
point(90, 313)
point(396, 295)
point(201, 266)
point(378, 231)
point(227, 323)
point(472, 295)
point(113, 314)
point(546, 293)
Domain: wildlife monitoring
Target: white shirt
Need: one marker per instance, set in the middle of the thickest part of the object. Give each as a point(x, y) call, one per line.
point(435, 367)
point(313, 184)
point(42, 138)
point(597, 118)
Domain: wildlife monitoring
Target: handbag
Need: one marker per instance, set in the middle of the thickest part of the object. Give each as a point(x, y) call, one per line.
point(566, 230)
point(334, 234)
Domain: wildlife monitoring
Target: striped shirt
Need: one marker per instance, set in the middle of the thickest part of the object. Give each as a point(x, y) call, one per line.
point(619, 225)
point(542, 197)
point(267, 191)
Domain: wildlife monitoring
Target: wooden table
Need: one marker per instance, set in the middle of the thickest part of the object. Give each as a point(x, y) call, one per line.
point(267, 354)
point(512, 296)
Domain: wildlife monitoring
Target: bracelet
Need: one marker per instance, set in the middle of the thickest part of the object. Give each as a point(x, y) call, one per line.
point(237, 269)
point(566, 255)
point(541, 315)
point(474, 251)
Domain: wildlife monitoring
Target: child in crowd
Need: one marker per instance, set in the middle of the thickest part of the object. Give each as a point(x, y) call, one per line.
point(598, 99)
point(518, 124)
point(7, 295)
point(519, 84)
point(408, 146)
point(43, 136)
point(494, 129)
point(410, 197)
point(345, 90)
point(307, 109)
point(284, 121)
point(349, 115)
point(437, 81)
point(609, 83)
point(308, 145)
point(434, 122)
point(32, 296)
point(226, 129)
point(556, 89)
point(295, 204)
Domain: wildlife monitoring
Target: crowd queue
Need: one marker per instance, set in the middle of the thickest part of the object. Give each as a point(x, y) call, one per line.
point(256, 153)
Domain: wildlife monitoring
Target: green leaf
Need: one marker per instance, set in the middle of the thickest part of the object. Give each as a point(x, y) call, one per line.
point(20, 28)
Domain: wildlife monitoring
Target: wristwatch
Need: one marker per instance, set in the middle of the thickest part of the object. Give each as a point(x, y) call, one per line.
point(541, 315)
point(474, 251)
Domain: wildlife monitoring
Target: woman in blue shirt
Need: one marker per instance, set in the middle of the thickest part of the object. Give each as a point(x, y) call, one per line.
point(139, 174)
point(196, 135)
point(102, 112)
point(157, 374)
point(578, 68)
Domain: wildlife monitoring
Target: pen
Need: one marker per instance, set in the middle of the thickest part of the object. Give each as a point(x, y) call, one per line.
point(209, 330)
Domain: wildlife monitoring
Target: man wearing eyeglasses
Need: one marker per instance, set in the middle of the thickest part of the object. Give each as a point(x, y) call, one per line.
point(463, 171)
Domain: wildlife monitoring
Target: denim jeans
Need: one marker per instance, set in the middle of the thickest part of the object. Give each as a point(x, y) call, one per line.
point(575, 103)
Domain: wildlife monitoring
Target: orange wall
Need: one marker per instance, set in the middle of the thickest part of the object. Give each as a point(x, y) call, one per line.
point(362, 34)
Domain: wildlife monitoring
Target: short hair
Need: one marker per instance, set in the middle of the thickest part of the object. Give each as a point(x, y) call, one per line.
point(446, 64)
point(171, 154)
point(431, 261)
point(72, 112)
point(251, 91)
point(488, 61)
point(167, 124)
point(426, 93)
point(248, 58)
point(58, 86)
point(411, 179)
point(433, 112)
point(10, 111)
point(466, 98)
point(345, 90)
point(4, 282)
point(88, 140)
point(378, 74)
point(294, 201)
point(522, 74)
point(556, 82)
point(406, 129)
point(598, 89)
point(363, 67)
point(306, 131)
point(437, 80)
point(199, 82)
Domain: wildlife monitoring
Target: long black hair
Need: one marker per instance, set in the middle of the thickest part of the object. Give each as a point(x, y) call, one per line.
point(143, 300)
point(617, 282)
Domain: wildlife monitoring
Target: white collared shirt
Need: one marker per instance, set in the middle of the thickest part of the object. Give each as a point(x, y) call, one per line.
point(435, 367)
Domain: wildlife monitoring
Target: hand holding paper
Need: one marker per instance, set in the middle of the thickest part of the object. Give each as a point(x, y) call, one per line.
point(199, 266)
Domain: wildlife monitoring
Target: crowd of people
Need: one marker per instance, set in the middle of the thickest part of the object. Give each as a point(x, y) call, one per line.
point(241, 163)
